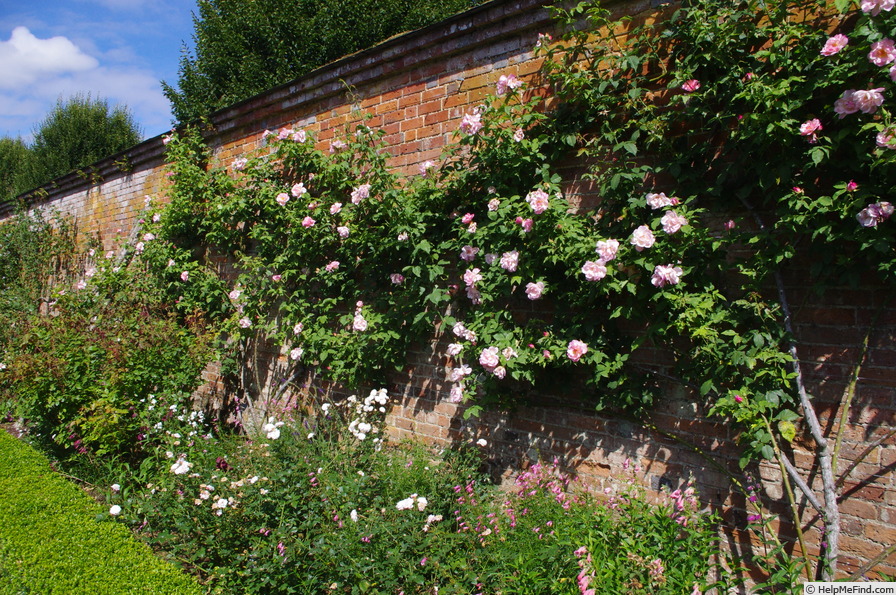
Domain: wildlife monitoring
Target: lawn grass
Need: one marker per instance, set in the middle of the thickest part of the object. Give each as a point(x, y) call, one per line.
point(55, 539)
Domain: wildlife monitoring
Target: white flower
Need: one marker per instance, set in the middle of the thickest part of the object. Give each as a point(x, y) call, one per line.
point(406, 504)
point(353, 515)
point(115, 510)
point(181, 467)
point(272, 429)
point(421, 503)
point(115, 487)
point(482, 442)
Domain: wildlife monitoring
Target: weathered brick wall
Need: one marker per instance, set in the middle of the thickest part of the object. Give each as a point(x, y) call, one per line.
point(417, 87)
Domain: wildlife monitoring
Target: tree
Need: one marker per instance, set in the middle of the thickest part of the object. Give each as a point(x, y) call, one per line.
point(245, 47)
point(14, 156)
point(76, 133)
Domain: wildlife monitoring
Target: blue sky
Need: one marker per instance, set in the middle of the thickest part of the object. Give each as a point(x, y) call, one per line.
point(118, 50)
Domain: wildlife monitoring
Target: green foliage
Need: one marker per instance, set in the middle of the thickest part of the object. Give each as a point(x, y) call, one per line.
point(14, 157)
point(35, 254)
point(55, 539)
point(244, 48)
point(86, 378)
point(319, 501)
point(76, 133)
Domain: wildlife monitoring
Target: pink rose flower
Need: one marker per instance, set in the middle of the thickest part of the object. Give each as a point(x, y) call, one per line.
point(282, 199)
point(594, 270)
point(834, 44)
point(852, 186)
point(874, 7)
point(810, 128)
point(506, 82)
point(868, 100)
point(576, 349)
point(510, 260)
point(519, 135)
point(359, 324)
point(425, 167)
point(642, 238)
point(607, 249)
point(332, 266)
point(526, 225)
point(886, 138)
point(454, 349)
point(488, 359)
point(457, 394)
point(467, 218)
point(245, 322)
point(472, 276)
point(534, 290)
point(874, 214)
point(474, 295)
point(239, 164)
point(666, 275)
point(360, 193)
point(472, 228)
point(690, 86)
point(468, 253)
point(337, 145)
point(396, 278)
point(335, 208)
point(185, 276)
point(343, 231)
point(659, 200)
point(471, 123)
point(299, 136)
point(276, 278)
point(538, 200)
point(846, 104)
point(298, 190)
point(284, 133)
point(493, 204)
point(882, 52)
point(500, 372)
point(672, 222)
point(308, 222)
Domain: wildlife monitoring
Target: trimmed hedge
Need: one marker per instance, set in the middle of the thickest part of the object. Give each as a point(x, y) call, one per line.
point(55, 539)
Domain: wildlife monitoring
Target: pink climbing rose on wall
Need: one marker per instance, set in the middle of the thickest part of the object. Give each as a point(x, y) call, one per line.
point(834, 44)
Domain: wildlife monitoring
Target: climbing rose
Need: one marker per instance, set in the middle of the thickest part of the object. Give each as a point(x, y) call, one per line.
point(534, 290)
point(115, 510)
point(594, 270)
point(519, 135)
point(298, 190)
point(488, 359)
point(467, 218)
point(185, 276)
point(666, 275)
point(471, 123)
point(493, 204)
point(245, 322)
point(468, 253)
point(455, 349)
point(239, 164)
point(360, 193)
point(506, 82)
point(834, 44)
point(299, 136)
point(809, 128)
point(882, 52)
point(471, 277)
point(538, 200)
point(425, 167)
point(690, 86)
point(658, 200)
point(846, 104)
point(576, 349)
point(296, 353)
point(282, 199)
point(869, 100)
point(875, 213)
point(672, 222)
point(875, 6)
point(885, 138)
point(510, 260)
point(607, 249)
point(337, 145)
point(335, 208)
point(526, 224)
point(343, 231)
point(308, 222)
point(358, 322)
point(396, 278)
point(332, 266)
point(642, 238)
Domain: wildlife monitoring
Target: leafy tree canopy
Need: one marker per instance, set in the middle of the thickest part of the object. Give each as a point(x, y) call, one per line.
point(244, 47)
point(13, 162)
point(76, 133)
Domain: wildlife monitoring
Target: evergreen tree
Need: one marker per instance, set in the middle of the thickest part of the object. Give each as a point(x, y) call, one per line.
point(244, 47)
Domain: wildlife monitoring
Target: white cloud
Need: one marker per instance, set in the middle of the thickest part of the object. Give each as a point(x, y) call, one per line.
point(25, 59)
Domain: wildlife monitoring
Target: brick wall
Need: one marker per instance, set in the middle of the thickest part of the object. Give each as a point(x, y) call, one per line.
point(417, 87)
